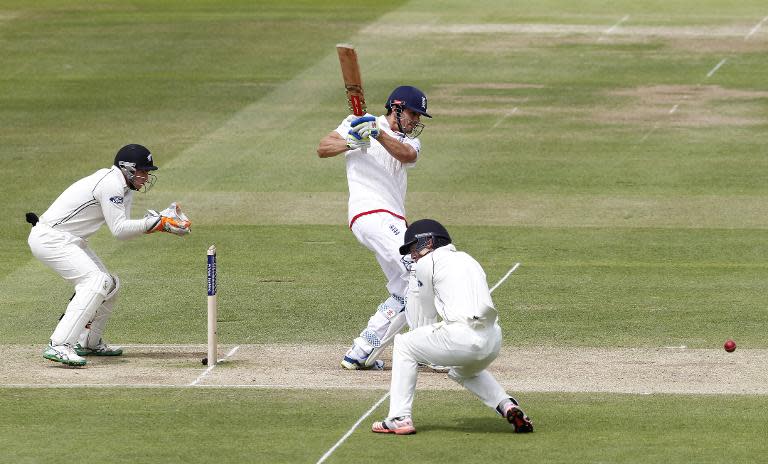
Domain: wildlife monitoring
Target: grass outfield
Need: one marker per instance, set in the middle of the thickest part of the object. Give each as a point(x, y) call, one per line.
point(616, 150)
point(576, 287)
point(235, 425)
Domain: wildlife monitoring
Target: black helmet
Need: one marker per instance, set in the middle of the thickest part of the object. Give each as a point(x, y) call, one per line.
point(408, 97)
point(133, 157)
point(422, 230)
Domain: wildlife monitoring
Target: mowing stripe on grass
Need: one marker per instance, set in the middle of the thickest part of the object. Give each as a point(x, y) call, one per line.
point(386, 395)
point(555, 29)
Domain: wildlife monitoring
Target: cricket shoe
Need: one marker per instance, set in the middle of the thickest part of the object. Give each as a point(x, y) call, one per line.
point(397, 425)
point(102, 349)
point(520, 422)
point(63, 354)
point(359, 365)
point(434, 368)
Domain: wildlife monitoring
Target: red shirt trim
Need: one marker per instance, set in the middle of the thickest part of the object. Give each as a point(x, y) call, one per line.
point(365, 213)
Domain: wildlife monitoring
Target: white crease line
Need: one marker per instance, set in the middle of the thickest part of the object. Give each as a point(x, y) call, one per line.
point(508, 114)
point(255, 386)
point(754, 29)
point(622, 390)
point(648, 133)
point(717, 66)
point(210, 368)
point(386, 395)
point(615, 26)
point(505, 276)
point(191, 347)
point(674, 108)
point(352, 429)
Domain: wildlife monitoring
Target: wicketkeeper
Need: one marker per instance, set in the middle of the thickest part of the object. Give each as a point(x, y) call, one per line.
point(59, 240)
point(449, 284)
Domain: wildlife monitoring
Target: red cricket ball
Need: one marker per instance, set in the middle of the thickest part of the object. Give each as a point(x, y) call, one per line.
point(729, 345)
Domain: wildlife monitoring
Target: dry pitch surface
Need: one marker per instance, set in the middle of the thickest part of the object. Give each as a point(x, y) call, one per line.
point(632, 370)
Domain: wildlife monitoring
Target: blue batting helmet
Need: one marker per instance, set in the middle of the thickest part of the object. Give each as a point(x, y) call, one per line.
point(408, 97)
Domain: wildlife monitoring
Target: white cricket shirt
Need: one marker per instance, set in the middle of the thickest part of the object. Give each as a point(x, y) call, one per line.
point(104, 196)
point(456, 285)
point(377, 181)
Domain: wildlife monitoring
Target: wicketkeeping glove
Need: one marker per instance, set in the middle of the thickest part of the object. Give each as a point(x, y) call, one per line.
point(170, 220)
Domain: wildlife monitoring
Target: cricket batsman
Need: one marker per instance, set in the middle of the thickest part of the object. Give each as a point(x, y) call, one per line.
point(59, 239)
point(378, 152)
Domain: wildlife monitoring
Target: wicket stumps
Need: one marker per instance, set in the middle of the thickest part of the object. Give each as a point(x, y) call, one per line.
point(212, 307)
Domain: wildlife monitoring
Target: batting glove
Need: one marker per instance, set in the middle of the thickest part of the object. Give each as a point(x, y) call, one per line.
point(365, 126)
point(355, 140)
point(369, 130)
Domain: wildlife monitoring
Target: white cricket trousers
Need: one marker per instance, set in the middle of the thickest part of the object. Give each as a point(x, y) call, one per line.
point(73, 260)
point(466, 350)
point(383, 233)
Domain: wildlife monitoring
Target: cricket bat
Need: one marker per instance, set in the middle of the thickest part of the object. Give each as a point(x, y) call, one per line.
point(353, 83)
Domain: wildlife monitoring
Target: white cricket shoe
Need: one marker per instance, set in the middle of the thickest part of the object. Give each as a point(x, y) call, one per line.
point(63, 354)
point(359, 364)
point(102, 349)
point(397, 425)
point(434, 368)
point(356, 357)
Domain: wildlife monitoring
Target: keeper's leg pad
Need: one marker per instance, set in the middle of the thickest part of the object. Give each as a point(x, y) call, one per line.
point(94, 330)
point(89, 295)
point(396, 324)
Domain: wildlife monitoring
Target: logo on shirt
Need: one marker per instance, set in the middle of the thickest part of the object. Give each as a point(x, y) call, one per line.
point(394, 229)
point(420, 284)
point(117, 200)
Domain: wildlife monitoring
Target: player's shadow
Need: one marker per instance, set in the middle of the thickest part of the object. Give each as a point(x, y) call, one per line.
point(470, 425)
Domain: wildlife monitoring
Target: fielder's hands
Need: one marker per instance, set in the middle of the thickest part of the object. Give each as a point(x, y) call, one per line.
point(170, 220)
point(361, 131)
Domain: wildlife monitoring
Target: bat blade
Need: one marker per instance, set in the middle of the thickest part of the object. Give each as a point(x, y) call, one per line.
point(353, 82)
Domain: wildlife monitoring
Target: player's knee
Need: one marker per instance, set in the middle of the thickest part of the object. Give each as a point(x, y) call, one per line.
point(115, 287)
point(96, 282)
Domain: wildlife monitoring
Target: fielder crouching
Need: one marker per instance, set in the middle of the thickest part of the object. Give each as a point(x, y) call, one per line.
point(450, 284)
point(59, 240)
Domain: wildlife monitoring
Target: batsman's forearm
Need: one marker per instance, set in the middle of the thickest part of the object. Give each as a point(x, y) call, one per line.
point(331, 145)
point(400, 151)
